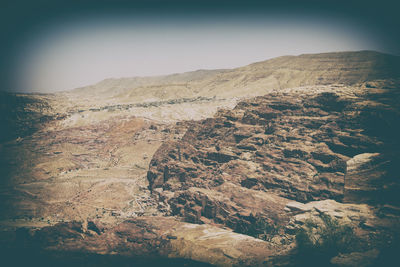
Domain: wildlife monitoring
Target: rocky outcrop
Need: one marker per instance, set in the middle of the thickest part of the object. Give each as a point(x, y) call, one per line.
point(228, 204)
point(148, 238)
point(231, 190)
point(356, 259)
point(365, 177)
point(371, 236)
point(304, 144)
point(23, 114)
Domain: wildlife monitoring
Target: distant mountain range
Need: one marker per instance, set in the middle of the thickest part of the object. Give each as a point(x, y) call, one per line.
point(251, 80)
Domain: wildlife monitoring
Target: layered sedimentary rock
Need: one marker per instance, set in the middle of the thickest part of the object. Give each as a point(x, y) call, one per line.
point(147, 240)
point(303, 144)
point(262, 169)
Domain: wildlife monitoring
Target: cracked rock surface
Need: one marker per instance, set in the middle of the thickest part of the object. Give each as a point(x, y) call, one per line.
point(205, 168)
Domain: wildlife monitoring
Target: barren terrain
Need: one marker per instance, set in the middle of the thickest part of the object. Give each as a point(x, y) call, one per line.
point(220, 167)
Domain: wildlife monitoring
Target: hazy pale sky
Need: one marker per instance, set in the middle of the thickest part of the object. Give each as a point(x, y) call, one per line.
point(79, 50)
point(85, 52)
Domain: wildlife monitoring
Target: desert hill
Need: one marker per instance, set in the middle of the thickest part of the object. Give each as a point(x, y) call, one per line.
point(254, 79)
point(198, 94)
point(223, 167)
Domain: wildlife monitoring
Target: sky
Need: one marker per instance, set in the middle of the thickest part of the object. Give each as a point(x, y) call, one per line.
point(49, 46)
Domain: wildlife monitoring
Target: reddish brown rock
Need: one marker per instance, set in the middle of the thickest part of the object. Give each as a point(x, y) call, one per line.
point(150, 238)
point(296, 147)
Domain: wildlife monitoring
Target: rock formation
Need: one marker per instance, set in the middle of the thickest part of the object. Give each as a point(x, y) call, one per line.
point(217, 167)
point(306, 144)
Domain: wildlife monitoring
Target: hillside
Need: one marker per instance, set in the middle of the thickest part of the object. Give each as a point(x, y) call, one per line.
point(198, 94)
point(255, 79)
point(220, 167)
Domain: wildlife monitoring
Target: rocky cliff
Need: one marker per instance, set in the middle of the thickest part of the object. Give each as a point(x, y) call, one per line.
point(304, 144)
point(221, 167)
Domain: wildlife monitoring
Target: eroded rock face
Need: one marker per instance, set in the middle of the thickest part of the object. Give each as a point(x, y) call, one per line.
point(365, 178)
point(304, 144)
point(262, 169)
point(374, 231)
point(155, 238)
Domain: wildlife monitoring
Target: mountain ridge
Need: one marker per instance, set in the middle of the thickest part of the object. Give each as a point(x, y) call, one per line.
point(250, 80)
point(224, 168)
